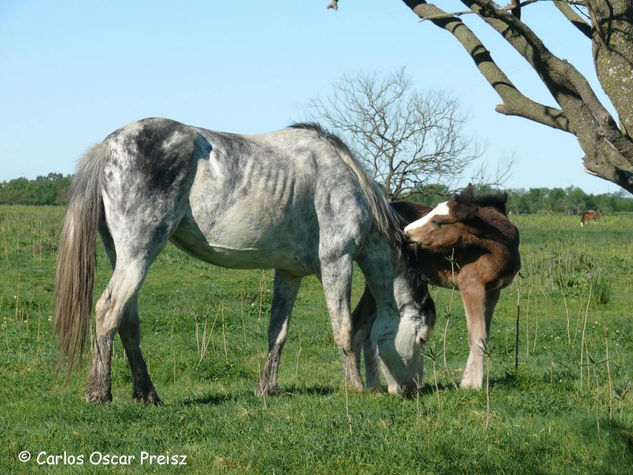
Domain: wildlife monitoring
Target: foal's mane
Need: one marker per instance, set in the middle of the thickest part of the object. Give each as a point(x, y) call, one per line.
point(496, 200)
point(385, 219)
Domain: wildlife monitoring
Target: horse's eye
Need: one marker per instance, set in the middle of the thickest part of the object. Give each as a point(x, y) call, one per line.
point(436, 222)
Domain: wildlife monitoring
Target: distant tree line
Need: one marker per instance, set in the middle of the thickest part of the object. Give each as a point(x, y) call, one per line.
point(52, 189)
point(570, 200)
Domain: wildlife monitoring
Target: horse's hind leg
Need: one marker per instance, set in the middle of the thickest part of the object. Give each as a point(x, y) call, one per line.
point(110, 308)
point(285, 291)
point(129, 331)
point(137, 239)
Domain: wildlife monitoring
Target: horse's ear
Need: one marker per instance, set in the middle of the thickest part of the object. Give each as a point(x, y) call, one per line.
point(466, 196)
point(463, 212)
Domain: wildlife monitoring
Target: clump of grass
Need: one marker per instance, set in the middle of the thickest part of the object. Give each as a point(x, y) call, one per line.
point(601, 290)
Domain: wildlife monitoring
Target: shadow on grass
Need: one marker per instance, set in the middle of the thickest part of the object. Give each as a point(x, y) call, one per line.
point(217, 399)
point(509, 379)
point(621, 432)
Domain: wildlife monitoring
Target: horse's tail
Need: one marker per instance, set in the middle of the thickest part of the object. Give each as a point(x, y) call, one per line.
point(385, 219)
point(76, 258)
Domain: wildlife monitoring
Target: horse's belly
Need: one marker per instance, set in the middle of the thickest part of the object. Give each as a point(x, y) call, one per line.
point(238, 249)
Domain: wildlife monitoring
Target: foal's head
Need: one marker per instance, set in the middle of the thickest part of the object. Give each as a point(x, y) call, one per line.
point(462, 220)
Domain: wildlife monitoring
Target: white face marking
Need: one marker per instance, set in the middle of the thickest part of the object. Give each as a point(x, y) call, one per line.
point(440, 210)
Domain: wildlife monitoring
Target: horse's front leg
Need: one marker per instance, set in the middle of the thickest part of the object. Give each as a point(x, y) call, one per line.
point(474, 296)
point(285, 291)
point(362, 318)
point(336, 277)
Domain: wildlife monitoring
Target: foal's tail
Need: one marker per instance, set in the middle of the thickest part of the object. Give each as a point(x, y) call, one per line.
point(76, 258)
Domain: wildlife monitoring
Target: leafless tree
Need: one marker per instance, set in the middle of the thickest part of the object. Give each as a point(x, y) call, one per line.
point(608, 27)
point(405, 138)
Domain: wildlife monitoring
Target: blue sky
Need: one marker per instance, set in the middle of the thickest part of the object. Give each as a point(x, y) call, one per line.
point(74, 71)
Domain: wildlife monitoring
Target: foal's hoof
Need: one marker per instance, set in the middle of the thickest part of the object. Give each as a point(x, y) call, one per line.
point(149, 397)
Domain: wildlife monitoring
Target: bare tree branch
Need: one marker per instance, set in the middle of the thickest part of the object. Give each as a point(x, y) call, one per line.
point(608, 145)
point(515, 103)
point(405, 138)
point(608, 148)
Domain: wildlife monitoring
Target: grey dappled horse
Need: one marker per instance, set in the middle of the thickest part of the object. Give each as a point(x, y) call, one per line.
point(293, 200)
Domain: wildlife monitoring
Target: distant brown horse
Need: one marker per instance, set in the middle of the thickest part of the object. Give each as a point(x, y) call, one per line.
point(589, 215)
point(468, 243)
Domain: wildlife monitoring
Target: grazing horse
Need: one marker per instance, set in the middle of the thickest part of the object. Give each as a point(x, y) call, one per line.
point(468, 243)
point(294, 200)
point(588, 215)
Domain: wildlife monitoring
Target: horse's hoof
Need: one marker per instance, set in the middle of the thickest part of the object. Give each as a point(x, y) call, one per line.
point(470, 385)
point(357, 386)
point(263, 390)
point(149, 397)
point(94, 397)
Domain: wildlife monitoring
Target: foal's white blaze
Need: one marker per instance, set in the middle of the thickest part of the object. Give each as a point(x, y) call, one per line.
point(440, 210)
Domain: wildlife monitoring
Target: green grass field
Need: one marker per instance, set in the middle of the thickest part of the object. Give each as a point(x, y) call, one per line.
point(567, 409)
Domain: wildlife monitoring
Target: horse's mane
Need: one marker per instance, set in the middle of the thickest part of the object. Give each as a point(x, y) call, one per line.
point(495, 200)
point(385, 219)
point(326, 134)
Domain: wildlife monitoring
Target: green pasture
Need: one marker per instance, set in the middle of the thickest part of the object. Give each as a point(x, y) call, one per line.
point(568, 408)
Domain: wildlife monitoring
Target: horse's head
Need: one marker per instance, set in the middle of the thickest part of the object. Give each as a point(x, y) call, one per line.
point(461, 220)
point(401, 340)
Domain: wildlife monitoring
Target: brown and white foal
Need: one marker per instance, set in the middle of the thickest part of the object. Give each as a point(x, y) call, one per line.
point(468, 243)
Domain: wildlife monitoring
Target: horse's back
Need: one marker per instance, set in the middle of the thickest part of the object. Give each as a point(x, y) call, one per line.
point(272, 200)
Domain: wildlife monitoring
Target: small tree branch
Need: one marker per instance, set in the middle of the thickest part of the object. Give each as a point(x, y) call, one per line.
point(515, 8)
point(573, 17)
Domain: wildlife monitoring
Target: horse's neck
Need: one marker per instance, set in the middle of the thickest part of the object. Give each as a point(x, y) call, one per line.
point(403, 290)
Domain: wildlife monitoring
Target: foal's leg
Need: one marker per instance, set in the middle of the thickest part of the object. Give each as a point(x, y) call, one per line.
point(492, 297)
point(129, 331)
point(473, 296)
point(336, 278)
point(285, 291)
